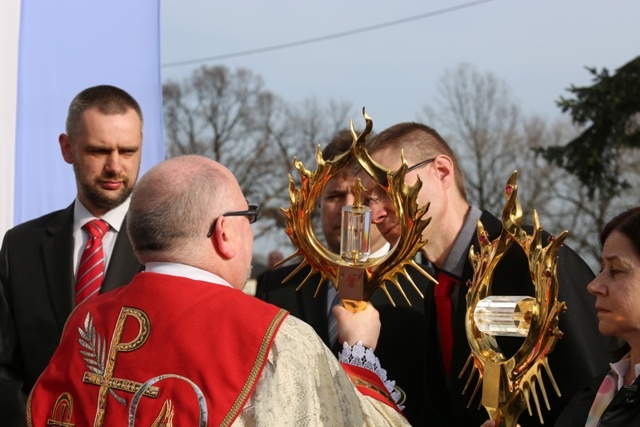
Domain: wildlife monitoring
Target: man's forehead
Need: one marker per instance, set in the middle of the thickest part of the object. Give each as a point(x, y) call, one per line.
point(341, 180)
point(389, 157)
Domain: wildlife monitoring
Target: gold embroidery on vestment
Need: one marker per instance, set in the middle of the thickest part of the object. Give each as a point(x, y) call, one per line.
point(165, 417)
point(105, 378)
point(62, 411)
point(253, 376)
point(202, 401)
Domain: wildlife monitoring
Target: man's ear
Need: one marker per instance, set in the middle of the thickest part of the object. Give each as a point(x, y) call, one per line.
point(445, 170)
point(65, 148)
point(224, 235)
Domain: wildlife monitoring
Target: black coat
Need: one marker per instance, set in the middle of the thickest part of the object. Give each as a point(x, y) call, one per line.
point(576, 359)
point(37, 296)
point(624, 409)
point(401, 347)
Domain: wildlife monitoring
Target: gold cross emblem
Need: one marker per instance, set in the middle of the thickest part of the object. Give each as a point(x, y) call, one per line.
point(105, 380)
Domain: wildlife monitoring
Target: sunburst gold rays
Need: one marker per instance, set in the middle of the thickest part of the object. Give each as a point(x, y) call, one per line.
point(378, 272)
point(513, 382)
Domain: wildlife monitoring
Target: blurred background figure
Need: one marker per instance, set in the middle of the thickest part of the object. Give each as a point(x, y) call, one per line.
point(274, 258)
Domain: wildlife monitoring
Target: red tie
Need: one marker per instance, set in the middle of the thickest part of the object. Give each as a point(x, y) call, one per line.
point(442, 295)
point(91, 267)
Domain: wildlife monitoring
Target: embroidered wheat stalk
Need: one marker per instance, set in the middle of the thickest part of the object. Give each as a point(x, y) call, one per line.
point(94, 353)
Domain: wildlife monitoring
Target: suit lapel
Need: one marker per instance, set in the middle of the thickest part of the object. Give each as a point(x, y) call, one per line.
point(461, 349)
point(123, 264)
point(57, 255)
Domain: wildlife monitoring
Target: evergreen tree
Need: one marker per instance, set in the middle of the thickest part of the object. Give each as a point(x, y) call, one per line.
point(610, 112)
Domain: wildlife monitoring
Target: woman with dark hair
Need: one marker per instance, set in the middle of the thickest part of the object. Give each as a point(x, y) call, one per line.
point(613, 399)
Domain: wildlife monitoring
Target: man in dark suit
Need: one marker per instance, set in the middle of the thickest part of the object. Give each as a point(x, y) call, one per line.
point(578, 357)
point(401, 348)
point(39, 259)
point(273, 259)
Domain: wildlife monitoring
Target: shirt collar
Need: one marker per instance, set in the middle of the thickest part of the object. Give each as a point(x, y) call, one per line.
point(621, 367)
point(183, 270)
point(114, 217)
point(458, 255)
point(381, 252)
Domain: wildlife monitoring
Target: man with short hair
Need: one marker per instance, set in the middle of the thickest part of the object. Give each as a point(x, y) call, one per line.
point(450, 234)
point(187, 347)
point(43, 274)
point(401, 348)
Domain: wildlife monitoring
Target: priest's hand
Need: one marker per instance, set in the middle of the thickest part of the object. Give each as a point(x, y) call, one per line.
point(359, 326)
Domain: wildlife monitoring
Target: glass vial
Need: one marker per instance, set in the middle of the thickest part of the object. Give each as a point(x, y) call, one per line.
point(356, 223)
point(354, 239)
point(504, 315)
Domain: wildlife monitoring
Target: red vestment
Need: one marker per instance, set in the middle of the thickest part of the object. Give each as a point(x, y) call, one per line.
point(170, 331)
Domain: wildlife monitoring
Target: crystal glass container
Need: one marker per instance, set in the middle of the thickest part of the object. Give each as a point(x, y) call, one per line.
point(354, 240)
point(505, 315)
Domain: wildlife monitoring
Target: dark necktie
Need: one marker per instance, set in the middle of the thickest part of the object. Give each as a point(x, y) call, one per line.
point(91, 267)
point(333, 323)
point(442, 295)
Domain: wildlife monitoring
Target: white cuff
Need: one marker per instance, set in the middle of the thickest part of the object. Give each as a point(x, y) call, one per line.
point(363, 357)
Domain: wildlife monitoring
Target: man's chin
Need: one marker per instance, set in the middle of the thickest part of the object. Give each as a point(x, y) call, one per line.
point(109, 199)
point(333, 242)
point(392, 238)
point(391, 234)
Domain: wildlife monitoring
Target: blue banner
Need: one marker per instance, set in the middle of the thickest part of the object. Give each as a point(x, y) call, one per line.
point(66, 46)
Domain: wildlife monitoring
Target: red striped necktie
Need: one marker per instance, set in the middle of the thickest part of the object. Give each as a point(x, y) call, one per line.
point(91, 267)
point(442, 295)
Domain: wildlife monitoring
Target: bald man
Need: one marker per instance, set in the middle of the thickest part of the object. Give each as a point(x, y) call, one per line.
point(183, 344)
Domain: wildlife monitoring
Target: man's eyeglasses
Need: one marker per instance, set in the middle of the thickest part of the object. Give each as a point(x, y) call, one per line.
point(422, 163)
point(377, 195)
point(252, 214)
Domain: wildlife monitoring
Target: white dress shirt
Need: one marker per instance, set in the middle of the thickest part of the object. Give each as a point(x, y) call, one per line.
point(81, 215)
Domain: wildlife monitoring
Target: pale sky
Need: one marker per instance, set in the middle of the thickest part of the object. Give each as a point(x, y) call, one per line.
point(539, 48)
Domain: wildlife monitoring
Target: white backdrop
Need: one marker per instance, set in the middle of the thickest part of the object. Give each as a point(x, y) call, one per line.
point(9, 24)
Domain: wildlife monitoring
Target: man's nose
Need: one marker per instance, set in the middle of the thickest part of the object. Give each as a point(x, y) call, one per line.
point(378, 213)
point(349, 199)
point(114, 163)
